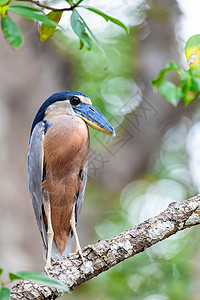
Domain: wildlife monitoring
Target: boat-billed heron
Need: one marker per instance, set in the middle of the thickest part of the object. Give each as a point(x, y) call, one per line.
point(57, 167)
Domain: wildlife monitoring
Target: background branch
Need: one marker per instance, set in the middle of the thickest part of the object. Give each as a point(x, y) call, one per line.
point(51, 8)
point(107, 253)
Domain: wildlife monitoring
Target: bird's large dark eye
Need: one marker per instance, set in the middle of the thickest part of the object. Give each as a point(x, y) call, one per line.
point(75, 100)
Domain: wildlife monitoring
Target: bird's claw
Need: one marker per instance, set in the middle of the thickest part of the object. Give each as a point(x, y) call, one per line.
point(97, 252)
point(81, 255)
point(46, 269)
point(91, 247)
point(78, 251)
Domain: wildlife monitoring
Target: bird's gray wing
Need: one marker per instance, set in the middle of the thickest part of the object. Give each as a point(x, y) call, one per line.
point(35, 175)
point(80, 198)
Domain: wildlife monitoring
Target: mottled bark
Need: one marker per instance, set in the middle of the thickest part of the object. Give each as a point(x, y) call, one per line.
point(107, 253)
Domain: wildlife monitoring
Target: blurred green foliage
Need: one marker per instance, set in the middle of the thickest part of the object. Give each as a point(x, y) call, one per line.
point(95, 76)
point(189, 81)
point(27, 9)
point(166, 270)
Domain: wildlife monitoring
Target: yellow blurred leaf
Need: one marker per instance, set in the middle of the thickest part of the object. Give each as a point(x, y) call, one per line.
point(45, 30)
point(192, 51)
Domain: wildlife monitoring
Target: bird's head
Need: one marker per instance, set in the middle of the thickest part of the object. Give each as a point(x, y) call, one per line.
point(74, 103)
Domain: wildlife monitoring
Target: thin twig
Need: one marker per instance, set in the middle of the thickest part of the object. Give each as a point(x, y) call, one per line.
point(49, 7)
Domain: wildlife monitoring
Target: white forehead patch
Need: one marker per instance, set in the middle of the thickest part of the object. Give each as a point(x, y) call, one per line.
point(84, 99)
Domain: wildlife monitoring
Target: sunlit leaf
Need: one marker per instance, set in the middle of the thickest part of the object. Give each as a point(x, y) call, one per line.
point(107, 17)
point(3, 11)
point(11, 32)
point(156, 82)
point(170, 92)
point(39, 278)
point(46, 30)
point(192, 52)
point(32, 14)
point(80, 30)
point(4, 293)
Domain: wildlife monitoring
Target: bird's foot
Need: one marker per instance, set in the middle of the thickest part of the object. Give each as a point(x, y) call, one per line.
point(81, 255)
point(46, 269)
point(98, 252)
point(92, 248)
point(48, 265)
point(78, 251)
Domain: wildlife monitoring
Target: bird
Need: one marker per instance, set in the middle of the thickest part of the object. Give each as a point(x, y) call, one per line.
point(57, 167)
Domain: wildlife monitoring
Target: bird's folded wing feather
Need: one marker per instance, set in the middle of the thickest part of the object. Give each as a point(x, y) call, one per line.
point(35, 173)
point(79, 201)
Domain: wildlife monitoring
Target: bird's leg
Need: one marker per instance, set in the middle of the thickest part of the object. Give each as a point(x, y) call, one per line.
point(50, 233)
point(73, 227)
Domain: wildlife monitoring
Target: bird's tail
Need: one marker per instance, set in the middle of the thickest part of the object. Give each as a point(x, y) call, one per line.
point(55, 254)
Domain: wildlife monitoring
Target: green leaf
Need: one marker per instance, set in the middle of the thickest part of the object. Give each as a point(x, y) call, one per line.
point(79, 2)
point(4, 293)
point(14, 276)
point(45, 30)
point(80, 30)
point(1, 271)
point(11, 32)
point(171, 65)
point(195, 84)
point(41, 279)
point(32, 14)
point(4, 2)
point(96, 41)
point(107, 17)
point(69, 1)
point(170, 92)
point(81, 45)
point(190, 86)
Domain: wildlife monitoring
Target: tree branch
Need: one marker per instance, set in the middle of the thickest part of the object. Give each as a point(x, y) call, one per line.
point(107, 253)
point(51, 8)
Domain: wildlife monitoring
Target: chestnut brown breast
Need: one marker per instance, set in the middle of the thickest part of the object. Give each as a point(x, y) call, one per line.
point(66, 147)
